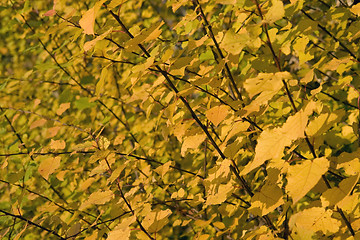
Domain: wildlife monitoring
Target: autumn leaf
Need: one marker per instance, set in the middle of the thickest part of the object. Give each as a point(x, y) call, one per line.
point(57, 144)
point(87, 20)
point(90, 44)
point(217, 114)
point(311, 220)
point(334, 195)
point(275, 12)
point(38, 123)
point(356, 9)
point(265, 201)
point(48, 166)
point(98, 198)
point(219, 193)
point(272, 142)
point(192, 142)
point(156, 220)
point(62, 108)
point(122, 230)
point(304, 176)
point(50, 13)
point(234, 43)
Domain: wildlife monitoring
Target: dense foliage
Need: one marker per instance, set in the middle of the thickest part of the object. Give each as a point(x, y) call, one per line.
point(179, 119)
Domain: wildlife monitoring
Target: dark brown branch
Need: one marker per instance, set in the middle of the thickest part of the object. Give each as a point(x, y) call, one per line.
point(211, 34)
point(345, 48)
point(32, 223)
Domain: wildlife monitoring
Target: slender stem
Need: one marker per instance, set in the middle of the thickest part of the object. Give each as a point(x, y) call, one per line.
point(211, 33)
point(346, 49)
point(32, 223)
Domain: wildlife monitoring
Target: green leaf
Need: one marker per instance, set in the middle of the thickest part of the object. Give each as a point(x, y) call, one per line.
point(83, 103)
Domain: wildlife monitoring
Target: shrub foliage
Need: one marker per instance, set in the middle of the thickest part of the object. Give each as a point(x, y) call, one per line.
point(178, 119)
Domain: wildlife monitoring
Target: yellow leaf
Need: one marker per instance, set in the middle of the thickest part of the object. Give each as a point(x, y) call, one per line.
point(181, 193)
point(304, 176)
point(177, 4)
point(294, 126)
point(122, 230)
point(73, 230)
point(62, 108)
point(349, 162)
point(356, 9)
point(314, 219)
point(146, 35)
point(153, 32)
point(220, 172)
point(217, 114)
point(233, 42)
point(156, 220)
point(336, 194)
point(116, 173)
point(275, 12)
point(104, 77)
point(51, 132)
point(219, 225)
point(87, 21)
point(115, 3)
point(93, 236)
point(181, 128)
point(163, 169)
point(265, 201)
point(119, 139)
point(104, 143)
point(219, 194)
point(86, 184)
point(231, 2)
point(232, 149)
point(38, 123)
point(192, 142)
point(57, 144)
point(90, 44)
point(97, 198)
point(308, 76)
point(350, 204)
point(272, 142)
point(236, 128)
point(48, 166)
point(265, 82)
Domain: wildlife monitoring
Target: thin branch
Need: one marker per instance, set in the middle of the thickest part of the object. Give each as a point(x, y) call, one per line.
point(345, 48)
point(32, 223)
point(210, 32)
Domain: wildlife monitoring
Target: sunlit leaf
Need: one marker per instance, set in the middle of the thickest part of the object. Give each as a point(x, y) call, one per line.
point(98, 198)
point(217, 114)
point(276, 11)
point(192, 142)
point(312, 220)
point(304, 176)
point(48, 166)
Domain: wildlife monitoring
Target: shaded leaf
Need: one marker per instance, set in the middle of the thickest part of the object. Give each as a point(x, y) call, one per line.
point(265, 201)
point(336, 194)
